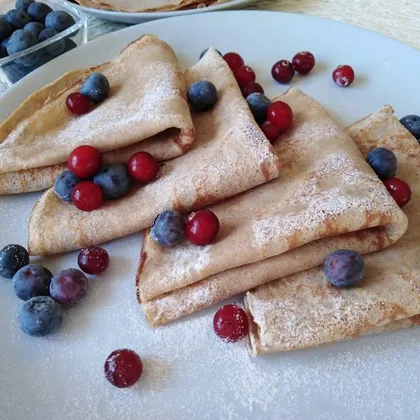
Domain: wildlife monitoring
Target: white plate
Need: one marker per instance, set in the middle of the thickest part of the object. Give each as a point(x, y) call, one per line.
point(189, 374)
point(140, 17)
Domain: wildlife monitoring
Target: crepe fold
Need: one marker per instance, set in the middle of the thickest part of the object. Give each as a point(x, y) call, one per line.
point(302, 310)
point(230, 155)
point(327, 197)
point(146, 110)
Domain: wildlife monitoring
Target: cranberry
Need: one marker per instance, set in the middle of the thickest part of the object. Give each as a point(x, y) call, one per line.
point(77, 103)
point(93, 260)
point(399, 189)
point(283, 71)
point(252, 88)
point(244, 75)
point(234, 60)
point(230, 323)
point(271, 131)
point(143, 167)
point(87, 196)
point(85, 161)
point(343, 75)
point(280, 114)
point(303, 62)
point(123, 368)
point(202, 227)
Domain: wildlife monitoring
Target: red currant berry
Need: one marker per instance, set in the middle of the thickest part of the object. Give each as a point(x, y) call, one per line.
point(343, 75)
point(399, 189)
point(77, 103)
point(252, 88)
point(85, 161)
point(93, 260)
point(244, 75)
point(87, 196)
point(143, 167)
point(234, 60)
point(202, 227)
point(280, 114)
point(303, 62)
point(123, 368)
point(283, 71)
point(271, 131)
point(230, 323)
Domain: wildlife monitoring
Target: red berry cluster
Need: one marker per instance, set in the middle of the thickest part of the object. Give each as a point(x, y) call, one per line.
point(86, 161)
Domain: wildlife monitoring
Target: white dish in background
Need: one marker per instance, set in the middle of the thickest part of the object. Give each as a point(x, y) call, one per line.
point(189, 373)
point(140, 17)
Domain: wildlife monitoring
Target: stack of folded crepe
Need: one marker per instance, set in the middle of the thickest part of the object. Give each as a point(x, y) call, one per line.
point(302, 310)
point(146, 110)
point(230, 154)
point(326, 198)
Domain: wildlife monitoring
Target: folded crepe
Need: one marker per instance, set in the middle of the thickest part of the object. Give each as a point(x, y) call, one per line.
point(230, 155)
point(146, 110)
point(303, 310)
point(327, 197)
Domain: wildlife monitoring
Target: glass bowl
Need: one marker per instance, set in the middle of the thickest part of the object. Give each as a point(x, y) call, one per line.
point(16, 66)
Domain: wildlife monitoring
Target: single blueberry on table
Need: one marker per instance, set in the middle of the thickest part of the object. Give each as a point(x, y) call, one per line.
point(64, 185)
point(12, 258)
point(32, 280)
point(35, 28)
point(168, 228)
point(39, 11)
point(95, 87)
point(114, 180)
point(204, 52)
point(344, 268)
point(40, 316)
point(17, 19)
point(412, 124)
point(23, 4)
point(5, 29)
point(383, 161)
point(59, 20)
point(69, 286)
point(202, 95)
point(258, 104)
point(57, 47)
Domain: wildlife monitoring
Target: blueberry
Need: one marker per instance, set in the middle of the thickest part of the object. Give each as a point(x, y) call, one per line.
point(32, 280)
point(114, 180)
point(204, 52)
point(17, 19)
point(95, 87)
point(383, 162)
point(4, 43)
point(23, 4)
point(40, 316)
point(412, 124)
point(3, 51)
point(258, 104)
point(12, 258)
point(70, 44)
point(20, 40)
point(69, 286)
point(344, 268)
point(5, 29)
point(168, 228)
point(64, 185)
point(35, 28)
point(57, 47)
point(202, 95)
point(59, 20)
point(39, 11)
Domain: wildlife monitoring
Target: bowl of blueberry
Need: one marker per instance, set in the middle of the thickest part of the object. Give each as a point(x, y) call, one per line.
point(34, 33)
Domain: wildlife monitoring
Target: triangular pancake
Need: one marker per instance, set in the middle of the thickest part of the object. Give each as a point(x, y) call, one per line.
point(230, 155)
point(147, 98)
point(326, 197)
point(302, 310)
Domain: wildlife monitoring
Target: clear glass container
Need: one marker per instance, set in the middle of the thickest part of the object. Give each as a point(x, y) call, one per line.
point(16, 66)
